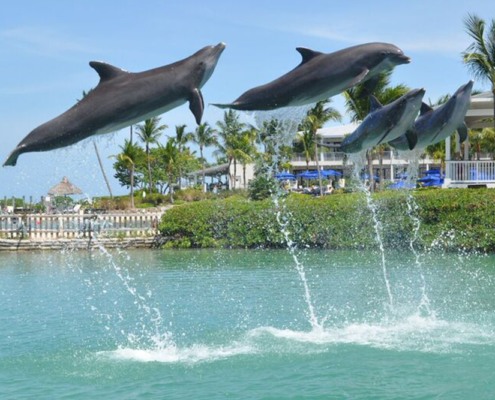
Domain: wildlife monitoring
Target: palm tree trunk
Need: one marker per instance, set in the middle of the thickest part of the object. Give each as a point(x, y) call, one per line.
point(380, 163)
point(103, 171)
point(235, 173)
point(132, 186)
point(244, 175)
point(203, 168)
point(317, 156)
point(171, 188)
point(150, 184)
point(230, 175)
point(370, 171)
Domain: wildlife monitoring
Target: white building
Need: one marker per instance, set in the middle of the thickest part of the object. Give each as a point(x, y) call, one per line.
point(223, 177)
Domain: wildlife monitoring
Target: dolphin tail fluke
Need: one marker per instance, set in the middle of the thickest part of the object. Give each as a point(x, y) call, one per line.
point(412, 139)
point(12, 158)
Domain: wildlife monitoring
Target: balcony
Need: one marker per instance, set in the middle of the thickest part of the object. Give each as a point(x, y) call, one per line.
point(470, 173)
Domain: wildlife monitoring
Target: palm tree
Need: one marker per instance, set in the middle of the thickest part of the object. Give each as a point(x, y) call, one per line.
point(305, 142)
point(318, 116)
point(128, 156)
point(149, 133)
point(480, 55)
point(181, 139)
point(230, 130)
point(204, 136)
point(170, 154)
point(247, 151)
point(358, 107)
point(84, 94)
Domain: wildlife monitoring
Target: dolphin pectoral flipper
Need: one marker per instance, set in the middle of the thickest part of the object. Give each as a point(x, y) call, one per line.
point(358, 78)
point(463, 132)
point(412, 138)
point(197, 105)
point(371, 85)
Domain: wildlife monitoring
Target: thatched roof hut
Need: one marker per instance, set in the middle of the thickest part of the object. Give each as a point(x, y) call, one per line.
point(64, 188)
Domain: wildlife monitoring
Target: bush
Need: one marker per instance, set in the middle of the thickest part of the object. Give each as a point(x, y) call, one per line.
point(261, 188)
point(450, 219)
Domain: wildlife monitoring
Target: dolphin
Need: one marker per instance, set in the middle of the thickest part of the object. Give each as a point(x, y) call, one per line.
point(122, 99)
point(385, 123)
point(320, 76)
point(435, 125)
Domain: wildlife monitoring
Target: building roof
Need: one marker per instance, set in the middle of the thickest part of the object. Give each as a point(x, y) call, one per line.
point(480, 110)
point(212, 171)
point(337, 132)
point(64, 188)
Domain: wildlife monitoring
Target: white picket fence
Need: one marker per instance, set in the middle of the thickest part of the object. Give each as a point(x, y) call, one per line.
point(67, 226)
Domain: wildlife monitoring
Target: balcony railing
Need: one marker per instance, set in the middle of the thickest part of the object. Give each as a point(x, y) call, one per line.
point(471, 171)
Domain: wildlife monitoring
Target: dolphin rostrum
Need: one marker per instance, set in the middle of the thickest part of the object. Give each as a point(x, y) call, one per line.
point(122, 99)
point(320, 76)
point(435, 125)
point(385, 123)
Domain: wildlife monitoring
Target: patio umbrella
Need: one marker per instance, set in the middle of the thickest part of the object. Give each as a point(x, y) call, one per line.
point(64, 188)
point(285, 176)
point(330, 172)
point(402, 185)
point(308, 175)
point(432, 172)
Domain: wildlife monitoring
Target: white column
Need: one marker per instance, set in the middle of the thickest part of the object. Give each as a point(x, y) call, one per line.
point(447, 161)
point(457, 143)
point(466, 150)
point(392, 172)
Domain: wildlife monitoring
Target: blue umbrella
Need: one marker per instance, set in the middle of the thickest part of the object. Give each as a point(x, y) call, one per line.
point(432, 172)
point(285, 176)
point(308, 175)
point(402, 185)
point(367, 176)
point(429, 178)
point(330, 172)
point(434, 183)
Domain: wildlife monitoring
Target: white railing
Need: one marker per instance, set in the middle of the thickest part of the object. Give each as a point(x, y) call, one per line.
point(471, 171)
point(332, 156)
point(68, 226)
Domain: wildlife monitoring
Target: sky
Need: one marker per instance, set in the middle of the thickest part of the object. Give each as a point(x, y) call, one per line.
point(45, 48)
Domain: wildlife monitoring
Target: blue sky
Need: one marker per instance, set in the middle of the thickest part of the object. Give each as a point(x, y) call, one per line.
point(45, 47)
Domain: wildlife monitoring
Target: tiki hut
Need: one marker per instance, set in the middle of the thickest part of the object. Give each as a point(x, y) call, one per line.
point(64, 188)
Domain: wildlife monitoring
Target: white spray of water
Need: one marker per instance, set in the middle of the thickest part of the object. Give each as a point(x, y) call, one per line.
point(412, 209)
point(288, 122)
point(359, 161)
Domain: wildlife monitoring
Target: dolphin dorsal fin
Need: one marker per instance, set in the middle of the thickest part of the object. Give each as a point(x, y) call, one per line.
point(425, 108)
point(106, 71)
point(307, 54)
point(374, 104)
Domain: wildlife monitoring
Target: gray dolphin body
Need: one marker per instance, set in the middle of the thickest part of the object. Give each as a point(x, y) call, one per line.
point(122, 99)
point(385, 123)
point(320, 76)
point(435, 125)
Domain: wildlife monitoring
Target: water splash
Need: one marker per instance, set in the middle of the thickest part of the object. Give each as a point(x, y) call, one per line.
point(359, 161)
point(288, 121)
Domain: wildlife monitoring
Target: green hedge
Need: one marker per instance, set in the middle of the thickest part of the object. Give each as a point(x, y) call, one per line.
point(452, 219)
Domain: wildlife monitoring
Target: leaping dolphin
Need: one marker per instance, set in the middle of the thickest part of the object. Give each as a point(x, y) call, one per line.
point(385, 123)
point(320, 76)
point(435, 125)
point(122, 99)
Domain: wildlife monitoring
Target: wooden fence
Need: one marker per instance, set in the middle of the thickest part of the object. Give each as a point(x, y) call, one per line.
point(67, 226)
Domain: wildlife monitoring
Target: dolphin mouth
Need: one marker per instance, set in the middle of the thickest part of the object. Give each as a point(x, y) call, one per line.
point(220, 47)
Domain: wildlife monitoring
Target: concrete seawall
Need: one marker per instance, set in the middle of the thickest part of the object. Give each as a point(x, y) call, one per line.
point(78, 244)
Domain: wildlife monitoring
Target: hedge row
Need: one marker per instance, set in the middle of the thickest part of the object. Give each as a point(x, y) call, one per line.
point(453, 219)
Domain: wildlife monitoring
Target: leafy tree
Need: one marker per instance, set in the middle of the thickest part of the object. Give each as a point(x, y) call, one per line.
point(149, 133)
point(230, 131)
point(127, 159)
point(170, 157)
point(317, 117)
point(204, 136)
point(480, 55)
point(181, 139)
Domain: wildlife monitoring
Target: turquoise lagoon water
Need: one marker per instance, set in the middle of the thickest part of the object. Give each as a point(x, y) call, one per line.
point(234, 324)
